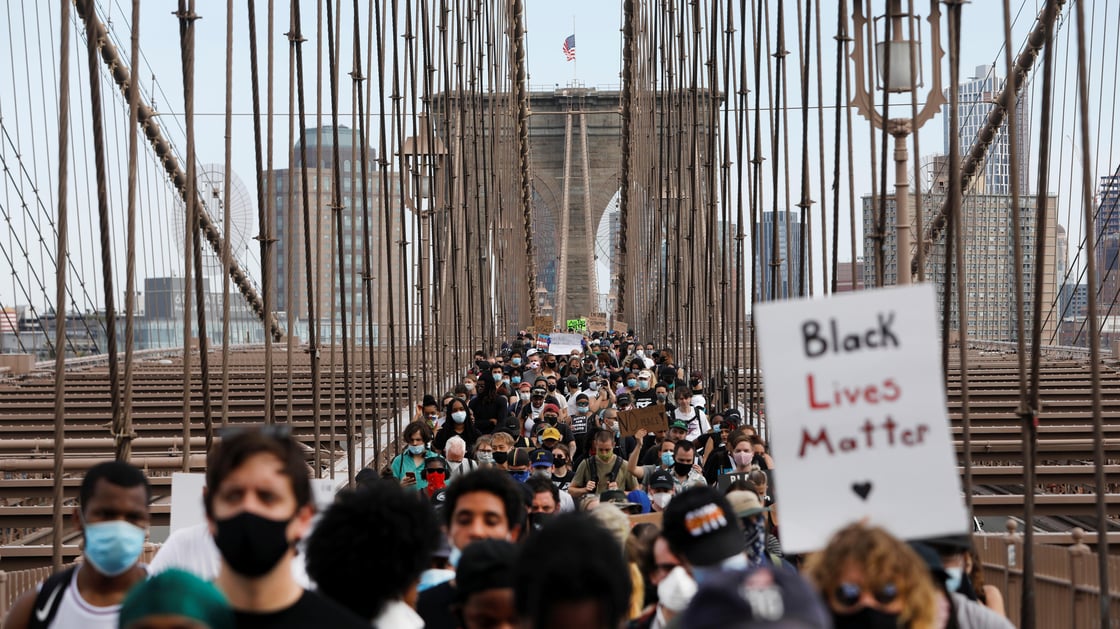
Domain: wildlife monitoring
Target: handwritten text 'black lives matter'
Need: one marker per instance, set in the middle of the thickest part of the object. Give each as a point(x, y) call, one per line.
point(820, 340)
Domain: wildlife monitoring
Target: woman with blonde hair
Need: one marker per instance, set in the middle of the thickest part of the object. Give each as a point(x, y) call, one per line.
point(870, 579)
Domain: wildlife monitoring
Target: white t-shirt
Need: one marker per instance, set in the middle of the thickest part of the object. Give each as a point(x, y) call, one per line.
point(696, 420)
point(74, 611)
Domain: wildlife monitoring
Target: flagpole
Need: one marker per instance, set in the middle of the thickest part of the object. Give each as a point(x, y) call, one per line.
point(575, 60)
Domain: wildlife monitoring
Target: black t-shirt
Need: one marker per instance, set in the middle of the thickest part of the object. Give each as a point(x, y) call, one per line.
point(563, 482)
point(643, 399)
point(434, 606)
point(311, 610)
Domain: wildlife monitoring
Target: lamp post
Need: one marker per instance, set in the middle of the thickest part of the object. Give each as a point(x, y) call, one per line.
point(423, 156)
point(898, 62)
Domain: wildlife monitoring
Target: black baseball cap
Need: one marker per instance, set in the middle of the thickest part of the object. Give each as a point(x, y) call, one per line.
point(701, 526)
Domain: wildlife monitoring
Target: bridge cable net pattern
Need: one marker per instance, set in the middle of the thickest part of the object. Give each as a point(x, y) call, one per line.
point(385, 245)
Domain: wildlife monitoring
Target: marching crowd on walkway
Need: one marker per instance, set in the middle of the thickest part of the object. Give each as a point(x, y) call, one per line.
point(522, 497)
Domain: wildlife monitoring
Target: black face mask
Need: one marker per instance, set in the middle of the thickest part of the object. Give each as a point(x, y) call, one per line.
point(537, 520)
point(551, 387)
point(500, 457)
point(251, 544)
point(866, 618)
point(682, 469)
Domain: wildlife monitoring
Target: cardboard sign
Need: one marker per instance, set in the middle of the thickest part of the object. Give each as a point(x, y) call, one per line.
point(597, 322)
point(855, 401)
point(577, 325)
point(652, 418)
point(653, 517)
point(620, 326)
point(724, 481)
point(543, 325)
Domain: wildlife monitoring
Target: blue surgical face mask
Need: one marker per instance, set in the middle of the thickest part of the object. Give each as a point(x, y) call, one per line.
point(583, 408)
point(516, 379)
point(516, 361)
point(956, 577)
point(667, 459)
point(631, 382)
point(454, 556)
point(417, 449)
point(113, 547)
point(459, 417)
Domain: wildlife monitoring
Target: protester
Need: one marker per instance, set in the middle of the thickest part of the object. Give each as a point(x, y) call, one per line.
point(764, 597)
point(485, 504)
point(457, 423)
point(407, 466)
point(349, 558)
point(175, 599)
point(457, 463)
point(703, 531)
point(870, 579)
point(603, 471)
point(488, 407)
point(484, 594)
point(571, 573)
point(113, 517)
point(258, 504)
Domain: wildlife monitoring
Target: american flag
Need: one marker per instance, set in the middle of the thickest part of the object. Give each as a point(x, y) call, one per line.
point(570, 48)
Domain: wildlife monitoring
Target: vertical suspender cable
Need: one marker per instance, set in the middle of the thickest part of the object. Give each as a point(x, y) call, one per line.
point(629, 20)
point(226, 215)
point(184, 16)
point(955, 194)
point(264, 192)
point(1030, 420)
point(337, 208)
point(122, 434)
point(103, 216)
point(313, 336)
point(1103, 556)
point(363, 156)
point(60, 284)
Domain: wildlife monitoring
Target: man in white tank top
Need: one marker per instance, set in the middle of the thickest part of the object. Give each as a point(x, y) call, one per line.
point(114, 518)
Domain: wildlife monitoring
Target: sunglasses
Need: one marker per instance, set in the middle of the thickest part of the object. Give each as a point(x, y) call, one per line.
point(848, 594)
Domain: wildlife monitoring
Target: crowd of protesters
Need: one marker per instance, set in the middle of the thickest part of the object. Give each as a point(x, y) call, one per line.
point(518, 499)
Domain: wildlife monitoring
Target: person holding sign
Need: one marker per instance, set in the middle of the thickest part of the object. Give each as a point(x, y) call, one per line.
point(679, 458)
point(603, 471)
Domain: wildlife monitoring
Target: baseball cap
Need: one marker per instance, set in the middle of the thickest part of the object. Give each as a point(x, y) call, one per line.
point(550, 433)
point(661, 479)
point(745, 503)
point(539, 392)
point(550, 408)
point(618, 498)
point(624, 399)
point(700, 525)
point(678, 424)
point(645, 373)
point(762, 598)
point(541, 457)
point(532, 352)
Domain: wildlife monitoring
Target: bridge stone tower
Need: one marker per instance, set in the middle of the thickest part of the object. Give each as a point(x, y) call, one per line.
point(575, 142)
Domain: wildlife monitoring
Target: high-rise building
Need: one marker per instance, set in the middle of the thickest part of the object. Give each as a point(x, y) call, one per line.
point(846, 271)
point(288, 230)
point(785, 261)
point(989, 276)
point(976, 98)
point(1107, 230)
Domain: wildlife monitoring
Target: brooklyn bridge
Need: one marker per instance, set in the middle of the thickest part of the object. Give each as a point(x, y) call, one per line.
point(315, 214)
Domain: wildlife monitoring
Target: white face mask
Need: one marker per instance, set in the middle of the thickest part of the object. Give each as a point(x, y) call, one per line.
point(661, 500)
point(523, 395)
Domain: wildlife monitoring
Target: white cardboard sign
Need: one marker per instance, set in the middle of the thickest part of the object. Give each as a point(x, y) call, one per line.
point(186, 497)
point(855, 401)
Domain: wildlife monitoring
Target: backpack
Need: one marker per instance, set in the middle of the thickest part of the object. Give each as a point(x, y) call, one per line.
point(49, 598)
point(595, 469)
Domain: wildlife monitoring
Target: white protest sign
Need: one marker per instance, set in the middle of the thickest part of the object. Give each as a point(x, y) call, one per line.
point(186, 497)
point(855, 401)
point(563, 344)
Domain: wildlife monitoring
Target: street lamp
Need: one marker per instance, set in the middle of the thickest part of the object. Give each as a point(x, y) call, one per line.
point(423, 158)
point(898, 63)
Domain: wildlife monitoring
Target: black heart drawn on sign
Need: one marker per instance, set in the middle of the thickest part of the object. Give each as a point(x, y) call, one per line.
point(862, 489)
